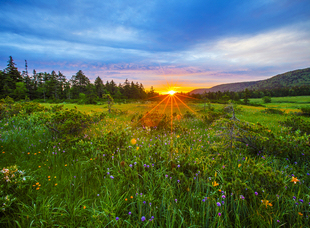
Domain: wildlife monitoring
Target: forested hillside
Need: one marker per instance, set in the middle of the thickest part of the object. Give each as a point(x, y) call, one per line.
point(290, 79)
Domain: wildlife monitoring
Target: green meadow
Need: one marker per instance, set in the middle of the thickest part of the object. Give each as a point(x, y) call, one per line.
point(151, 164)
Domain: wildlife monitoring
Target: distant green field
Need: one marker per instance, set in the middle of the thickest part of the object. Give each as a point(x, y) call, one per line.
point(248, 113)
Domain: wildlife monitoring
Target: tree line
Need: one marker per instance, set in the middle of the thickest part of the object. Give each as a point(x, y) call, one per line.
point(55, 86)
point(246, 94)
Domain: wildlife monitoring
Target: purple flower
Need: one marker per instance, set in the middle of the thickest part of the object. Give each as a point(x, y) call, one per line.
point(219, 214)
point(150, 204)
point(256, 193)
point(203, 200)
point(112, 177)
point(178, 166)
point(223, 196)
point(144, 165)
point(143, 219)
point(278, 220)
point(218, 204)
point(166, 175)
point(178, 181)
point(129, 212)
point(176, 200)
point(152, 217)
point(223, 202)
point(301, 201)
point(130, 165)
point(144, 202)
point(117, 218)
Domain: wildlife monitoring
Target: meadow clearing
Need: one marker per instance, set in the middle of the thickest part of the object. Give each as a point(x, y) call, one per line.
point(200, 165)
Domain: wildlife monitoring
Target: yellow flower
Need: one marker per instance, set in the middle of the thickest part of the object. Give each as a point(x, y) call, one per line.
point(84, 207)
point(49, 177)
point(295, 180)
point(133, 141)
point(126, 199)
point(56, 184)
point(215, 174)
point(239, 165)
point(65, 164)
point(137, 148)
point(214, 184)
point(300, 213)
point(266, 202)
point(131, 197)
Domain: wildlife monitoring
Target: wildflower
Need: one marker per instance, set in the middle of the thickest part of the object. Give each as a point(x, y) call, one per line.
point(218, 204)
point(112, 177)
point(266, 202)
point(295, 180)
point(84, 207)
point(176, 200)
point(239, 165)
point(117, 218)
point(214, 184)
point(301, 201)
point(143, 219)
point(178, 181)
point(131, 197)
point(203, 200)
point(144, 202)
point(126, 199)
point(278, 220)
point(152, 217)
point(223, 196)
point(56, 184)
point(133, 141)
point(219, 214)
point(300, 213)
point(130, 165)
point(242, 197)
point(129, 212)
point(256, 193)
point(178, 166)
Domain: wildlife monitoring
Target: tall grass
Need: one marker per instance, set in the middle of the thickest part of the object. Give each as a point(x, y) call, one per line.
point(164, 179)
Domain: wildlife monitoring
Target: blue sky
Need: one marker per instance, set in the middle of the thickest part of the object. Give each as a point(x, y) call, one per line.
point(187, 44)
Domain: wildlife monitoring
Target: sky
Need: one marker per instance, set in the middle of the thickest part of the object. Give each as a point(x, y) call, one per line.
point(185, 44)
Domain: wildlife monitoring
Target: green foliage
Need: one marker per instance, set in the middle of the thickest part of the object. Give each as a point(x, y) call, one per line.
point(14, 185)
point(69, 124)
point(273, 111)
point(296, 123)
point(305, 110)
point(266, 99)
point(8, 108)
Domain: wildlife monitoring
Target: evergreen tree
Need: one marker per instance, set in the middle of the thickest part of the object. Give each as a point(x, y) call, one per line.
point(12, 77)
point(79, 83)
point(99, 87)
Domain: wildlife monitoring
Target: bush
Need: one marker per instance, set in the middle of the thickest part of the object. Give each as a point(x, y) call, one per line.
point(266, 99)
point(273, 111)
point(69, 124)
point(296, 123)
point(13, 185)
point(305, 111)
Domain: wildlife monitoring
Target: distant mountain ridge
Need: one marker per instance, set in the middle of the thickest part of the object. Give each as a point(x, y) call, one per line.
point(289, 79)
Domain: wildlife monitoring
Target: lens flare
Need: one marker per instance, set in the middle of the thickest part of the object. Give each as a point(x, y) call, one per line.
point(171, 92)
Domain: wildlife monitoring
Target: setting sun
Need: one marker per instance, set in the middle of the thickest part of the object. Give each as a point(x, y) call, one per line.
point(171, 92)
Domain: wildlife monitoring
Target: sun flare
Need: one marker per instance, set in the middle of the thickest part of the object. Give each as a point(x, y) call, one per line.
point(171, 92)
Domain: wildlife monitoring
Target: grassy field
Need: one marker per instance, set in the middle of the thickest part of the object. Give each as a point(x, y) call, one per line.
point(189, 171)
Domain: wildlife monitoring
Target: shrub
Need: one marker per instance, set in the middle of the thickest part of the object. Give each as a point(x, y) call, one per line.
point(69, 123)
point(273, 111)
point(266, 99)
point(305, 111)
point(296, 123)
point(14, 184)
